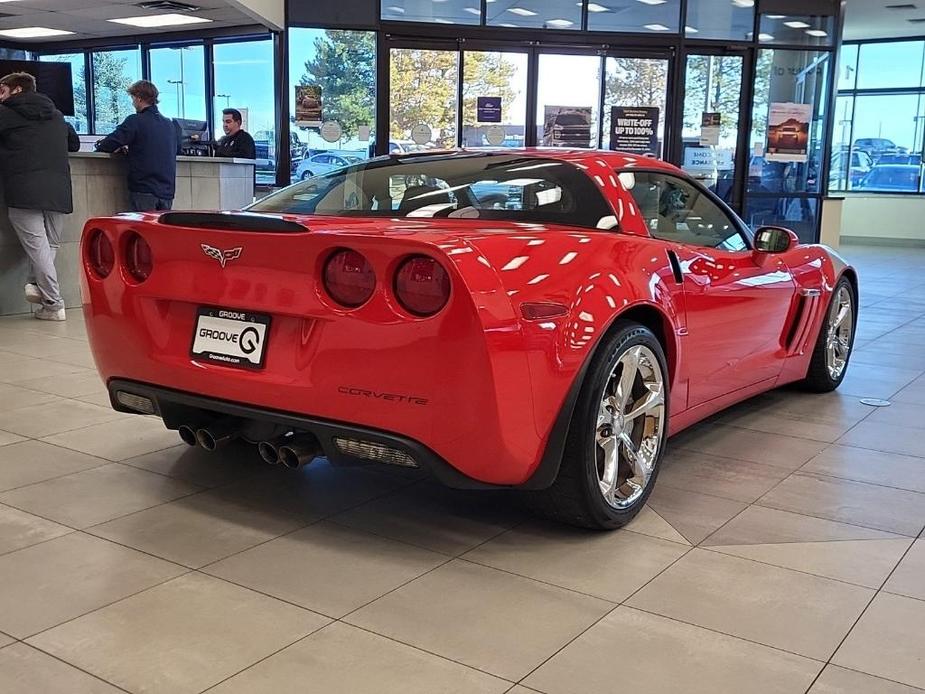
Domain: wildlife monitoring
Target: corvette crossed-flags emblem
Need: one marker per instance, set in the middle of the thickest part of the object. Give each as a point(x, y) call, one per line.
point(221, 256)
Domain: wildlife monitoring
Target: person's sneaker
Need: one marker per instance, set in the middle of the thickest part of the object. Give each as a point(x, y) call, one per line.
point(33, 295)
point(45, 313)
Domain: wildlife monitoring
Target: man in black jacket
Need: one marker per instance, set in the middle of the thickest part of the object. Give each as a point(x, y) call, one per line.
point(152, 143)
point(36, 178)
point(237, 141)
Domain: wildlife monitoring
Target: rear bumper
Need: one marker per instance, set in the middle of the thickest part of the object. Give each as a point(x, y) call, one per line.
point(176, 407)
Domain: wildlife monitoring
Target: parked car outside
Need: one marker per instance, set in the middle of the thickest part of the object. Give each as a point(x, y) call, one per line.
point(901, 178)
point(323, 163)
point(876, 147)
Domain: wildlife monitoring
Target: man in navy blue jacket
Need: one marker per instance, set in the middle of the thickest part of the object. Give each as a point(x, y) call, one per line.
point(152, 143)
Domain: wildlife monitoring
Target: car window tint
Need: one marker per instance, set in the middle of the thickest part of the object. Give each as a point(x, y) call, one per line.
point(466, 186)
point(675, 210)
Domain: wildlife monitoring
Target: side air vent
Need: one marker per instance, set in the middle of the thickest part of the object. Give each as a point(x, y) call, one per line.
point(796, 324)
point(168, 6)
point(232, 221)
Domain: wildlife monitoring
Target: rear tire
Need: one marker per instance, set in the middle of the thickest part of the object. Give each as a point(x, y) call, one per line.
point(617, 435)
point(829, 363)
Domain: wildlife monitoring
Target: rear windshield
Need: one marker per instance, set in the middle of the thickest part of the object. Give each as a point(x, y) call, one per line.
point(468, 186)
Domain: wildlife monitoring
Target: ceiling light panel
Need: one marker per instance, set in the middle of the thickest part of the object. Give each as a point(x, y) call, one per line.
point(33, 33)
point(154, 21)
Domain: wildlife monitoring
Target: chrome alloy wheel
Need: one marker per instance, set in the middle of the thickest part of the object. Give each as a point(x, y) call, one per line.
point(839, 328)
point(629, 429)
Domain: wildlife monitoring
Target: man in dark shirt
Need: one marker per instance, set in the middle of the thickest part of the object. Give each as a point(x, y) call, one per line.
point(237, 142)
point(152, 143)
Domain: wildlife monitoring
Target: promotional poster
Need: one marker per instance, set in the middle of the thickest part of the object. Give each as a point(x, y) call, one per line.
point(709, 128)
point(788, 132)
point(567, 126)
point(308, 107)
point(634, 129)
point(488, 109)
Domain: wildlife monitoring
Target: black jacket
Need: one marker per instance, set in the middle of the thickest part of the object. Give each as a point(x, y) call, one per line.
point(153, 143)
point(34, 142)
point(241, 145)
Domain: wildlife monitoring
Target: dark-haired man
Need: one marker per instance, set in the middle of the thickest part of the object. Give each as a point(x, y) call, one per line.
point(237, 142)
point(36, 178)
point(152, 143)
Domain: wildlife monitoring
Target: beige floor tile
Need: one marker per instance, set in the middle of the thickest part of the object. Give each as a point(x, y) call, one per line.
point(862, 562)
point(909, 577)
point(429, 515)
point(5, 640)
point(54, 417)
point(24, 669)
point(760, 525)
point(341, 659)
point(901, 414)
point(883, 508)
point(878, 356)
point(888, 641)
point(15, 368)
point(695, 516)
point(786, 452)
point(55, 581)
point(914, 393)
point(648, 522)
point(6, 438)
point(68, 386)
point(228, 464)
point(127, 437)
point(785, 425)
point(886, 437)
point(837, 680)
point(329, 568)
point(633, 651)
point(778, 607)
point(19, 529)
point(313, 492)
point(179, 637)
point(708, 474)
point(14, 397)
point(96, 496)
point(196, 530)
point(866, 381)
point(100, 399)
point(866, 465)
point(29, 462)
point(611, 566)
point(488, 619)
point(82, 359)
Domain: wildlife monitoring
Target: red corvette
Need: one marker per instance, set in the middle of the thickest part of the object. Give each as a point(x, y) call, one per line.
point(533, 319)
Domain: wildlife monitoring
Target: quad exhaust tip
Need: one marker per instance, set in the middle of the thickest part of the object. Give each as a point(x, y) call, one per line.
point(218, 433)
point(187, 435)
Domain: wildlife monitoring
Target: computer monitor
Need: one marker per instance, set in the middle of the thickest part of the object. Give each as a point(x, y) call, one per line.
point(194, 134)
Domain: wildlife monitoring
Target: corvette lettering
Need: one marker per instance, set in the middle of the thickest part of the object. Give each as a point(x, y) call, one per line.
point(376, 395)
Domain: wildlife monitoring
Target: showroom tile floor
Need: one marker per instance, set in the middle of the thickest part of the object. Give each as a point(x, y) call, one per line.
point(778, 552)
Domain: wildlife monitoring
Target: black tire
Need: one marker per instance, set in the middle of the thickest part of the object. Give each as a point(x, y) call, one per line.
point(306, 175)
point(575, 497)
point(818, 378)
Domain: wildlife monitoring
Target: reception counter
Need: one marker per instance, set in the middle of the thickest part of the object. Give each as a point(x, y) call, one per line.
point(99, 186)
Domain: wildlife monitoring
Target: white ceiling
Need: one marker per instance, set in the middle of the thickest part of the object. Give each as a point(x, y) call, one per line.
point(870, 19)
point(87, 18)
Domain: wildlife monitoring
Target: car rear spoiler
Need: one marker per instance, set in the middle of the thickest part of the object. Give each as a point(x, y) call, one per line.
point(232, 221)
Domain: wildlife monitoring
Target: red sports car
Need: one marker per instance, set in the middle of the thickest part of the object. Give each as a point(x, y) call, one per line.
point(530, 319)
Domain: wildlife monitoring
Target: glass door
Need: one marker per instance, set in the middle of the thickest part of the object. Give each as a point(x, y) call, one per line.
point(636, 92)
point(423, 98)
point(710, 126)
point(568, 100)
point(494, 98)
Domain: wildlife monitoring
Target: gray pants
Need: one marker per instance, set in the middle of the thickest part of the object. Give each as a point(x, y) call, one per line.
point(40, 235)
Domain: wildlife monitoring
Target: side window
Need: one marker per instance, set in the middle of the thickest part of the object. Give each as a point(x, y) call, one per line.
point(675, 210)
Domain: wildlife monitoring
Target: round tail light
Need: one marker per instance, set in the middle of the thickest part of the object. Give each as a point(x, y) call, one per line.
point(349, 279)
point(100, 253)
point(422, 285)
point(138, 260)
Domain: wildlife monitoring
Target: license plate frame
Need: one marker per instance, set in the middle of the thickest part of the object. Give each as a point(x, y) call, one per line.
point(237, 335)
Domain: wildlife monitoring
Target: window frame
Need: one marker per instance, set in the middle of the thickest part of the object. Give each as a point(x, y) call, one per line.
point(742, 229)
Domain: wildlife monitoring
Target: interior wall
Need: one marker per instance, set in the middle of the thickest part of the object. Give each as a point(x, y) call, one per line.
point(883, 218)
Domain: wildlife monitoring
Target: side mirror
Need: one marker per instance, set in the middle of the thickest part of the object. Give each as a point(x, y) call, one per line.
point(775, 240)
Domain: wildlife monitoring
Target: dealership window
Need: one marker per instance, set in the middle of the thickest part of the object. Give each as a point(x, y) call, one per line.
point(333, 74)
point(113, 72)
point(494, 99)
point(787, 139)
point(535, 14)
point(879, 130)
point(639, 17)
point(796, 30)
point(434, 11)
point(720, 19)
point(179, 73)
point(243, 79)
point(80, 119)
point(635, 82)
